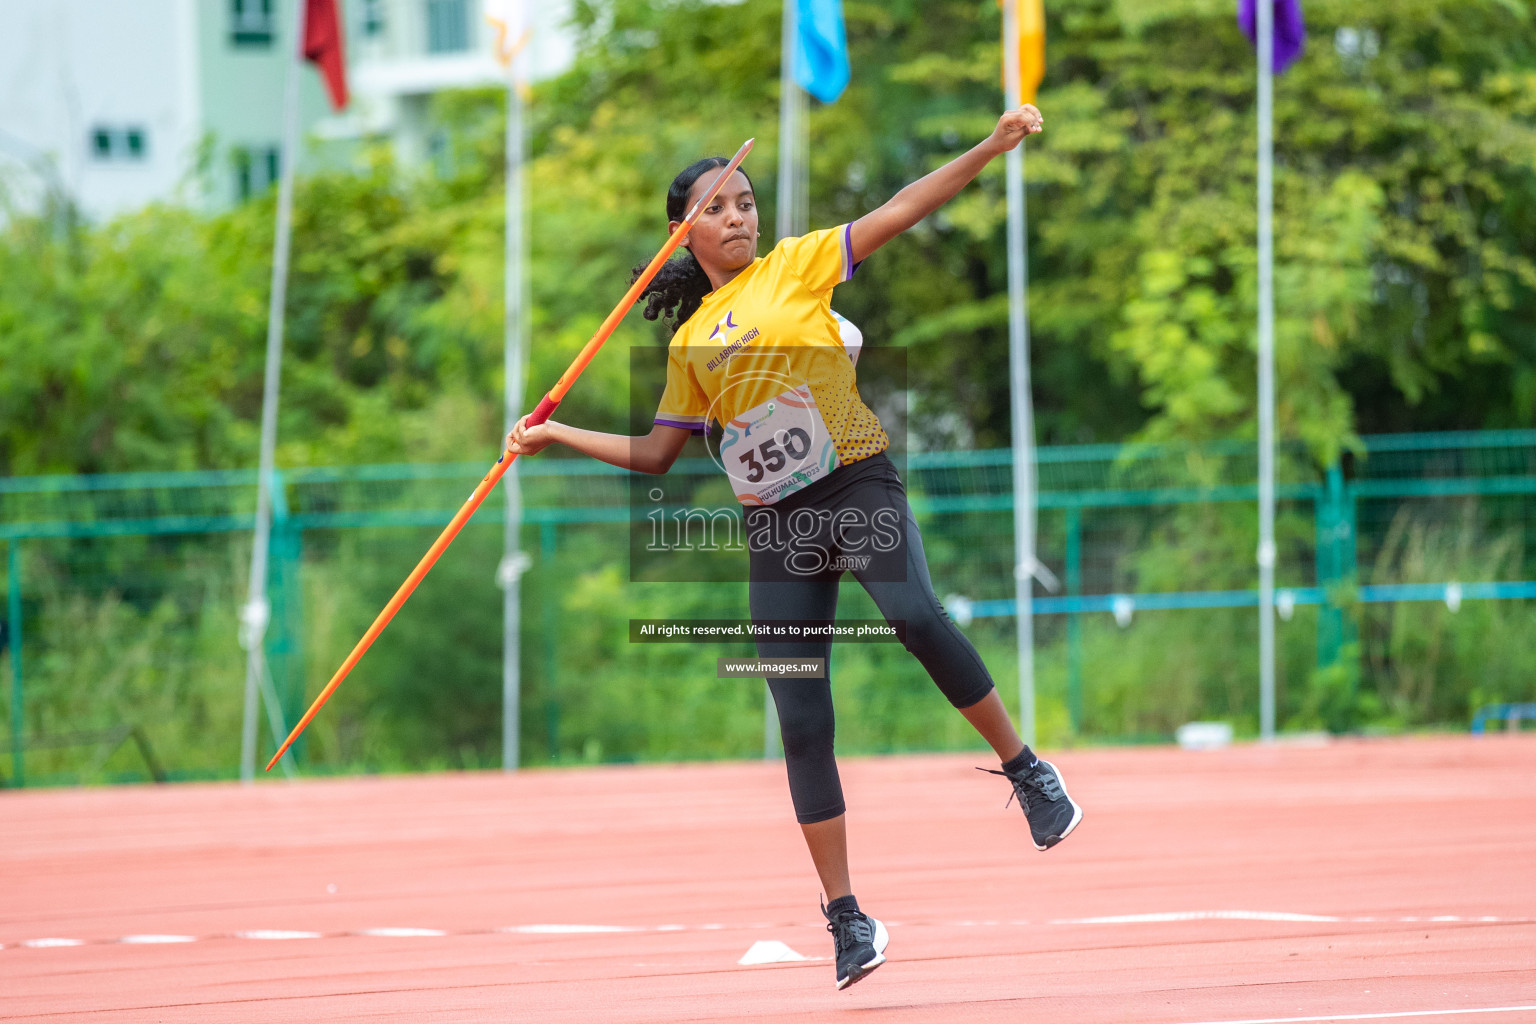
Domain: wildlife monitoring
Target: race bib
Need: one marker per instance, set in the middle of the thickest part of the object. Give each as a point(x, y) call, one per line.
point(777, 448)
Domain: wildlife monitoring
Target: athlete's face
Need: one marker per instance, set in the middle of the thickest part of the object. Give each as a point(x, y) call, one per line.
point(724, 239)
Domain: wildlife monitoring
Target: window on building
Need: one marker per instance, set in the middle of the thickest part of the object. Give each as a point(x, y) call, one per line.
point(447, 26)
point(109, 142)
point(373, 18)
point(256, 170)
point(250, 22)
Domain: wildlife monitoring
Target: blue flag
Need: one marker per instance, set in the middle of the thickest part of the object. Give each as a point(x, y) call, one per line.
point(1290, 31)
point(821, 51)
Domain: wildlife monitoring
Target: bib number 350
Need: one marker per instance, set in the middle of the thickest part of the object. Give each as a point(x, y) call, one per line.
point(795, 444)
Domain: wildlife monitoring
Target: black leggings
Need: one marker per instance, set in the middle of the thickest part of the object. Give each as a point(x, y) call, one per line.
point(855, 519)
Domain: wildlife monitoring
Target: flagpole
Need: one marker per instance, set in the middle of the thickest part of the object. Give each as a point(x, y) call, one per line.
point(790, 221)
point(514, 561)
point(1018, 373)
point(1266, 552)
point(257, 611)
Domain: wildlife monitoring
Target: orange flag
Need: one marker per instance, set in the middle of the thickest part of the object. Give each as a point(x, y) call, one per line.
point(1031, 15)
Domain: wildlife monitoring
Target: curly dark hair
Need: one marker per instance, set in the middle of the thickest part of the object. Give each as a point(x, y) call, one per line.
point(678, 287)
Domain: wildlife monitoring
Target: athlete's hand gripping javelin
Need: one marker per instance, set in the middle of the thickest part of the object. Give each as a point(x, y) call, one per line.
point(656, 451)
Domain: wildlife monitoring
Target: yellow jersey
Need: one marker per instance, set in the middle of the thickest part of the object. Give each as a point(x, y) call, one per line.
point(764, 356)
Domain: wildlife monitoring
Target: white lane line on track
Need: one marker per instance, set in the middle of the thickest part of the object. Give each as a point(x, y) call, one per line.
point(1275, 915)
point(402, 933)
point(1371, 1016)
point(270, 934)
point(1199, 915)
point(567, 929)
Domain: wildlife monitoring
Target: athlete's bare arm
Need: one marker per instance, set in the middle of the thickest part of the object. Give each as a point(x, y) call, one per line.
point(653, 453)
point(932, 191)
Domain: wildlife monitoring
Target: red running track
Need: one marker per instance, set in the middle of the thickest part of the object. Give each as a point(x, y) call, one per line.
point(1362, 880)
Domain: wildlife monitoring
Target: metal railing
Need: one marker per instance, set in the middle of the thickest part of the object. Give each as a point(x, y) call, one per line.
point(1130, 530)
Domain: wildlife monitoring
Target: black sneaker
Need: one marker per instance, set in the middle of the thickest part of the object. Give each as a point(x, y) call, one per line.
point(1043, 796)
point(860, 943)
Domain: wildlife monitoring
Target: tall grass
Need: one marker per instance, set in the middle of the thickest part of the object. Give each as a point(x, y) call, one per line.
point(1427, 664)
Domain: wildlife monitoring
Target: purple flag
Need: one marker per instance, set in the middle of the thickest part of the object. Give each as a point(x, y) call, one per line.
point(1290, 32)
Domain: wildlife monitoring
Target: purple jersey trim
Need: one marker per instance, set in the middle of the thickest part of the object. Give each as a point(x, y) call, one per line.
point(697, 428)
point(849, 267)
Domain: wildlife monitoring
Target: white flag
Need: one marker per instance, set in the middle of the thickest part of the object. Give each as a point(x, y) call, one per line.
point(508, 17)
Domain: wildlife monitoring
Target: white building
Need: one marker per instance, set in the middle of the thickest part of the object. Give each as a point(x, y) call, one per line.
point(118, 103)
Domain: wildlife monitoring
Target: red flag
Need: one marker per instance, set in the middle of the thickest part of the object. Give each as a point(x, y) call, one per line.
point(322, 47)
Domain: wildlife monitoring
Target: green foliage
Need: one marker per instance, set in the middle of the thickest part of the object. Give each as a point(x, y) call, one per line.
point(1406, 299)
point(147, 351)
point(1405, 189)
point(1398, 227)
point(1334, 699)
point(1428, 663)
point(168, 664)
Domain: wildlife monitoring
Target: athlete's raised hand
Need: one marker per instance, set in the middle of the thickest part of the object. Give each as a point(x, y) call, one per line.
point(933, 190)
point(1013, 126)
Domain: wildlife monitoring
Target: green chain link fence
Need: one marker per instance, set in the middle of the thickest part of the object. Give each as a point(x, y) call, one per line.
point(1406, 578)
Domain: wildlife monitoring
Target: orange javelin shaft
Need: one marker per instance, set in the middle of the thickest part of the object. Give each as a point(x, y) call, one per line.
point(541, 413)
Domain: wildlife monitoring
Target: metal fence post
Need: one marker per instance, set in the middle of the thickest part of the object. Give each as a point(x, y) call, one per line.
point(18, 702)
point(1335, 565)
point(1074, 618)
point(285, 639)
point(1345, 558)
point(1326, 518)
point(547, 547)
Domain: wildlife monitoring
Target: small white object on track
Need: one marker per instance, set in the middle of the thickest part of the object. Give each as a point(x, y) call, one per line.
point(770, 951)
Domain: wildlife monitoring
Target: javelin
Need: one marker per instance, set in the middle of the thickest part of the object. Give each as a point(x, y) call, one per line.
point(540, 413)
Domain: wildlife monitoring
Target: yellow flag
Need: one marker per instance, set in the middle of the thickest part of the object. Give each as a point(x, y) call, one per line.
point(1031, 15)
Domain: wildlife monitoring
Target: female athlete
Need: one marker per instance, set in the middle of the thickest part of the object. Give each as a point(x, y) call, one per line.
point(757, 349)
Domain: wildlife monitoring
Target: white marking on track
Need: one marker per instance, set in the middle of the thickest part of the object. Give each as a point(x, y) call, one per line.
point(1372, 1016)
point(770, 951)
point(402, 933)
point(598, 929)
point(1200, 915)
point(1267, 915)
point(568, 929)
